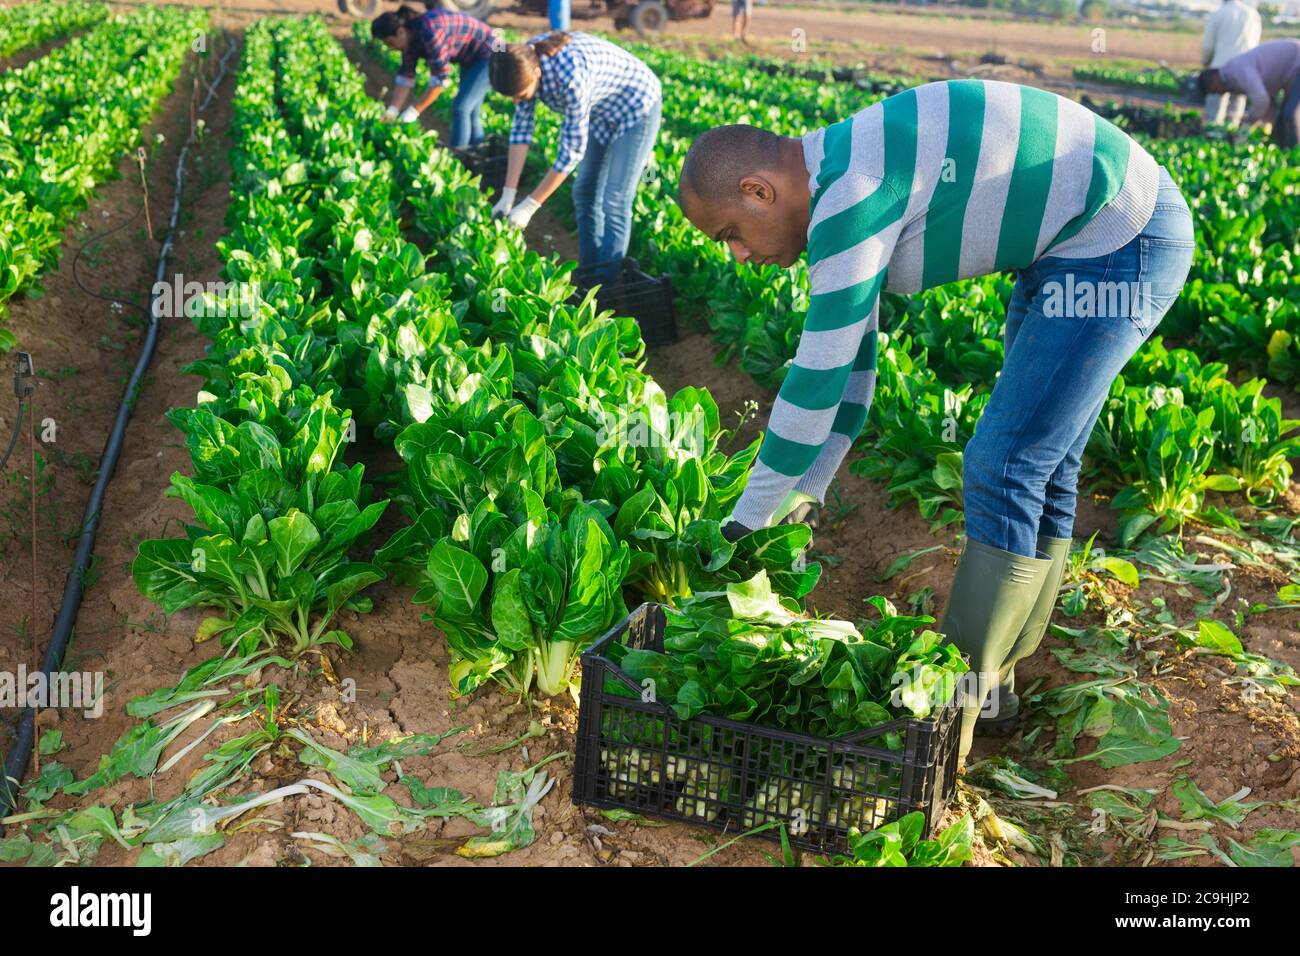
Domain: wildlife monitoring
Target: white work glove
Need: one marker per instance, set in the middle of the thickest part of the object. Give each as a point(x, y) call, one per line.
point(502, 208)
point(794, 508)
point(409, 115)
point(390, 114)
point(521, 214)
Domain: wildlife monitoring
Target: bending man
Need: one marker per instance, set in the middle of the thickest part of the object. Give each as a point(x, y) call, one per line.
point(1262, 74)
point(943, 182)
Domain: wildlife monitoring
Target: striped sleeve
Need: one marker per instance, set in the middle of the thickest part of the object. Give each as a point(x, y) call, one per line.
point(822, 404)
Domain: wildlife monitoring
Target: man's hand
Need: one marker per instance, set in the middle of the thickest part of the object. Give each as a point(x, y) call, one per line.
point(409, 115)
point(803, 513)
point(502, 208)
point(390, 114)
point(523, 213)
point(733, 531)
point(798, 506)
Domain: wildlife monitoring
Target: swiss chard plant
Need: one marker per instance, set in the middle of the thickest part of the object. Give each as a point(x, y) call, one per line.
point(271, 531)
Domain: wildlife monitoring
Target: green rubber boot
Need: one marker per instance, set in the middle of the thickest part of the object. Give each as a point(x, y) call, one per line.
point(1056, 550)
point(993, 595)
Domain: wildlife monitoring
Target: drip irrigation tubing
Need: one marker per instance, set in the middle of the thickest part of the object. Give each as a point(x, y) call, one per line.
point(15, 764)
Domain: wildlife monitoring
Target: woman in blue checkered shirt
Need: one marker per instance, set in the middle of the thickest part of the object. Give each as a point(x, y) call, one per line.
point(611, 104)
point(440, 37)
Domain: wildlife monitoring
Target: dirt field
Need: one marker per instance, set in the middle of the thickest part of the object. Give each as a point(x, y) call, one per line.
point(83, 345)
point(907, 41)
point(875, 29)
point(878, 32)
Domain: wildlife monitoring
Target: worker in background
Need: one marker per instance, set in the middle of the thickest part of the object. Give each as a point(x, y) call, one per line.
point(741, 11)
point(1265, 74)
point(440, 37)
point(1233, 28)
point(557, 11)
point(948, 181)
point(611, 105)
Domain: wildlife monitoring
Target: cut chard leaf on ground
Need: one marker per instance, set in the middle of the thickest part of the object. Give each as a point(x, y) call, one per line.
point(1197, 806)
point(1129, 718)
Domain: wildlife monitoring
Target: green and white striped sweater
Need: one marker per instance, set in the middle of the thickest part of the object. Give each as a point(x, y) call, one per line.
point(944, 181)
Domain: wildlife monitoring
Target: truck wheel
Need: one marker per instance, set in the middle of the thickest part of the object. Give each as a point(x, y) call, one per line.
point(361, 9)
point(473, 8)
point(649, 16)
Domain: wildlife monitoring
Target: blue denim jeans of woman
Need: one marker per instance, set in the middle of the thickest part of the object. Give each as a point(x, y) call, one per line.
point(467, 107)
point(603, 194)
point(1072, 325)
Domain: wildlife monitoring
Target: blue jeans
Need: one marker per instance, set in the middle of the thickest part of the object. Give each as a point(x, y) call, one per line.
point(1286, 131)
point(467, 107)
point(557, 11)
point(1020, 470)
point(604, 191)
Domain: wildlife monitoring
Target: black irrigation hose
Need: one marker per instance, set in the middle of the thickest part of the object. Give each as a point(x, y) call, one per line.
point(13, 438)
point(20, 753)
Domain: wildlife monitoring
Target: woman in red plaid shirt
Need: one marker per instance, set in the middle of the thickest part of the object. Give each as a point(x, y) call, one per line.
point(440, 37)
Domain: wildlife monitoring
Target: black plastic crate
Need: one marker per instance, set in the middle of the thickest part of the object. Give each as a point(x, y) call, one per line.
point(488, 160)
point(637, 754)
point(647, 299)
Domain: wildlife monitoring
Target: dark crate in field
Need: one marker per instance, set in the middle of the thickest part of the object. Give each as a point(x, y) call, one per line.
point(637, 754)
point(488, 160)
point(647, 299)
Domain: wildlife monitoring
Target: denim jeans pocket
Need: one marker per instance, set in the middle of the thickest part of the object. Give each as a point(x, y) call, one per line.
point(1162, 270)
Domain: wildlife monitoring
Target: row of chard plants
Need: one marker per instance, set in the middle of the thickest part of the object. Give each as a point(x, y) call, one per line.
point(1177, 425)
point(542, 470)
point(32, 24)
point(67, 118)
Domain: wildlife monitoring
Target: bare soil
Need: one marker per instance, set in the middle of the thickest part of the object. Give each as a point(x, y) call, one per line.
point(774, 29)
point(876, 27)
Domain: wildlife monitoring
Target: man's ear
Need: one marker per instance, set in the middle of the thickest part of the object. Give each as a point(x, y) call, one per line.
point(759, 189)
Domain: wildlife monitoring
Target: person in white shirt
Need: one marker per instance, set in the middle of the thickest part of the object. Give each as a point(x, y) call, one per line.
point(1232, 29)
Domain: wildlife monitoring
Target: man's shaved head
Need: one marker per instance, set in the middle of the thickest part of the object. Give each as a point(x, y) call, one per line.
point(720, 157)
point(748, 188)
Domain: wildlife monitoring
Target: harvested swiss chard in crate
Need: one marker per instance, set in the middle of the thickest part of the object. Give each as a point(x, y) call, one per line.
point(736, 711)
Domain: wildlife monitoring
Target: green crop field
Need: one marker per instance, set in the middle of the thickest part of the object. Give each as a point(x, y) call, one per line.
point(379, 517)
